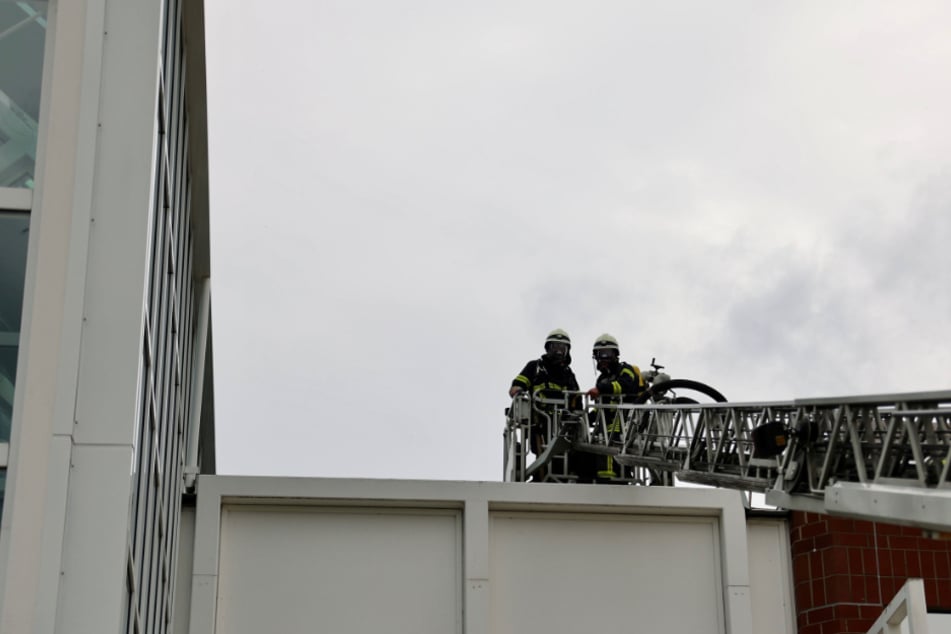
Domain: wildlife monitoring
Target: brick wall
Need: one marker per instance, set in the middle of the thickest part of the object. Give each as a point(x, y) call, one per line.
point(846, 571)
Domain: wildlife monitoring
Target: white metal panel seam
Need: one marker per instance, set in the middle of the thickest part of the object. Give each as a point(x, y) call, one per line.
point(735, 562)
point(476, 548)
point(206, 555)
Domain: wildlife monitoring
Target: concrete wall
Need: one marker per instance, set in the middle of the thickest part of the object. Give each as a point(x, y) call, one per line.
point(363, 555)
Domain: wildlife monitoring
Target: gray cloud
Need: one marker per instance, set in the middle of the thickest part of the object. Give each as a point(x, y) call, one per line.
point(407, 196)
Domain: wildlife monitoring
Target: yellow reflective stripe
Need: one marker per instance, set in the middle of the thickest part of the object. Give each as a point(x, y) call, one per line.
point(609, 471)
point(521, 378)
point(629, 371)
point(616, 387)
point(548, 386)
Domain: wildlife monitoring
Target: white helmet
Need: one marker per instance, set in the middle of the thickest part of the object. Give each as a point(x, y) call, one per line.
point(557, 336)
point(606, 342)
point(558, 346)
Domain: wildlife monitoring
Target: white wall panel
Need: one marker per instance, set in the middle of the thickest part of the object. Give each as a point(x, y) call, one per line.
point(94, 568)
point(183, 572)
point(339, 570)
point(770, 576)
point(583, 572)
point(329, 555)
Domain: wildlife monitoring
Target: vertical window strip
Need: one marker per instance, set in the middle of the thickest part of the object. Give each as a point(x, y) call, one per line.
point(170, 328)
point(178, 121)
point(148, 564)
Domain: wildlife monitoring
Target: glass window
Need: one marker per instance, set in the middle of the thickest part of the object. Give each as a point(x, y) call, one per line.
point(22, 37)
point(14, 236)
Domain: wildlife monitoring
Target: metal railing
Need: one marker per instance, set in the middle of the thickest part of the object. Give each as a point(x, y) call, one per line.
point(794, 451)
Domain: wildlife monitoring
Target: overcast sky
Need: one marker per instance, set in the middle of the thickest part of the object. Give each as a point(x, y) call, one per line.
point(406, 196)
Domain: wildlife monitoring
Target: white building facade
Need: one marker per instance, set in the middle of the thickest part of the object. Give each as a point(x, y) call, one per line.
point(104, 334)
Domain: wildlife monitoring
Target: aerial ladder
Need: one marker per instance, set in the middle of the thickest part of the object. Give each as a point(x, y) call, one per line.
point(880, 457)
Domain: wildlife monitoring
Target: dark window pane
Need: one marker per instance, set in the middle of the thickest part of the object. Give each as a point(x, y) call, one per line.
point(14, 236)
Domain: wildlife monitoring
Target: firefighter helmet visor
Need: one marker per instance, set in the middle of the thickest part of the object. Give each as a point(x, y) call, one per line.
point(557, 348)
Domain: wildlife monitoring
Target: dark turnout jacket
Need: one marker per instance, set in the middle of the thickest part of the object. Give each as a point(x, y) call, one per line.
point(623, 380)
point(544, 378)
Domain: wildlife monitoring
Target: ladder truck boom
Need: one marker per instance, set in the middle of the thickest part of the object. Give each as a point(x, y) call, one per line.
point(881, 457)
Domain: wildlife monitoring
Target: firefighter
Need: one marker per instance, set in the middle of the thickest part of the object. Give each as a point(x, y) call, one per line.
point(618, 382)
point(548, 377)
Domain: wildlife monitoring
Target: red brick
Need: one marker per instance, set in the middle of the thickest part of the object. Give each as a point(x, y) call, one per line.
point(841, 525)
point(944, 593)
point(856, 565)
point(870, 562)
point(812, 530)
point(803, 546)
point(847, 611)
point(928, 568)
point(931, 594)
point(820, 615)
point(890, 587)
point(854, 539)
point(912, 563)
point(816, 569)
point(873, 590)
point(870, 612)
point(887, 529)
point(859, 626)
point(837, 626)
point(835, 562)
point(802, 618)
point(902, 542)
point(804, 596)
point(825, 541)
point(838, 589)
point(942, 562)
point(818, 588)
point(898, 563)
point(800, 566)
point(806, 518)
point(884, 561)
point(859, 585)
point(796, 518)
point(810, 629)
